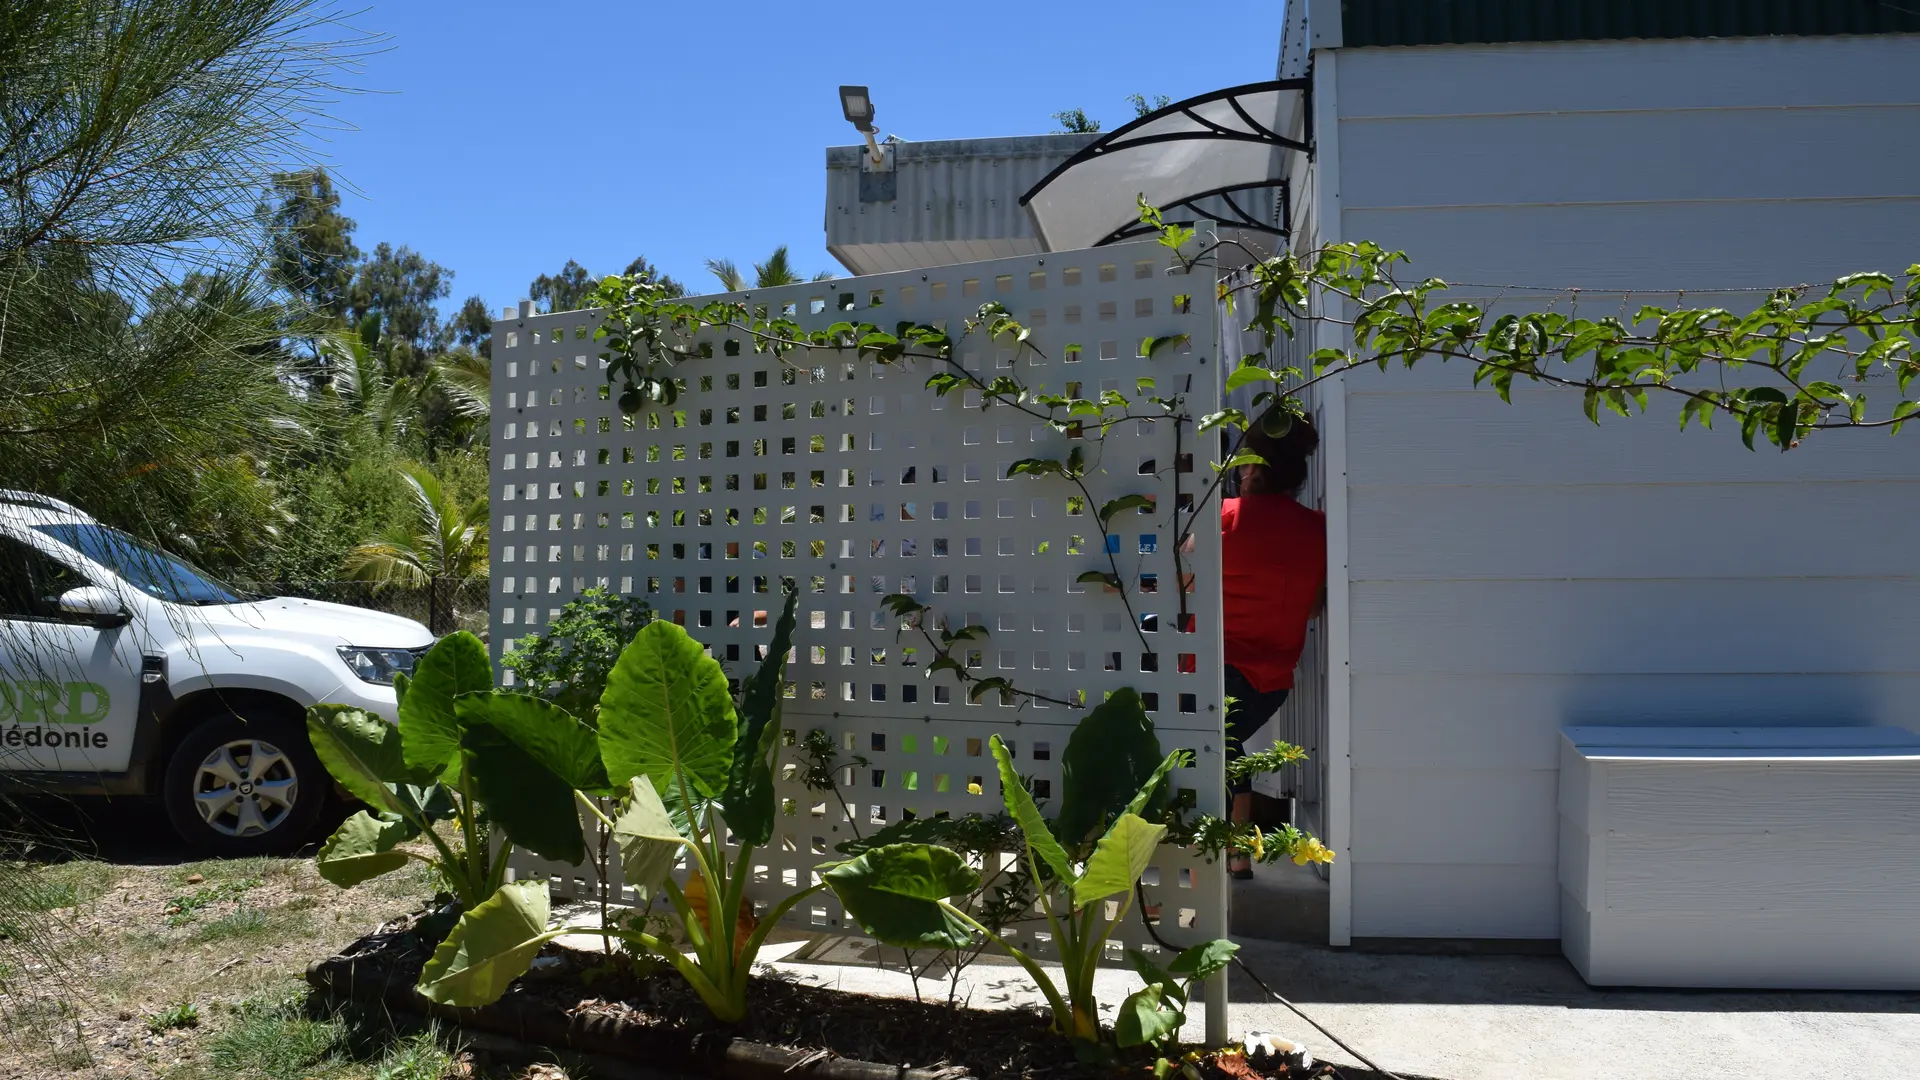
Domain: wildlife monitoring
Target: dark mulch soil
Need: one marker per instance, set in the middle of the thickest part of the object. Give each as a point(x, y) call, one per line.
point(648, 1005)
point(650, 1010)
point(891, 1031)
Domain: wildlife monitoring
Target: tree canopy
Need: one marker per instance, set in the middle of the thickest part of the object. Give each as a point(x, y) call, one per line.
point(311, 253)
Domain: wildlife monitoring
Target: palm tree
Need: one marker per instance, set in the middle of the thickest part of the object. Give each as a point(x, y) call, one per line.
point(466, 377)
point(359, 382)
point(729, 275)
point(444, 548)
point(777, 270)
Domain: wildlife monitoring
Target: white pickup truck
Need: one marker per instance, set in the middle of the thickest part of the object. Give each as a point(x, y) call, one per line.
point(126, 672)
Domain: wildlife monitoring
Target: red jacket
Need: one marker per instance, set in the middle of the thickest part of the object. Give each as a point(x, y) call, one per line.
point(1273, 555)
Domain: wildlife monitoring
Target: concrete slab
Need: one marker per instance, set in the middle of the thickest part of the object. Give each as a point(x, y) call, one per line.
point(1498, 1017)
point(1282, 902)
point(1531, 1018)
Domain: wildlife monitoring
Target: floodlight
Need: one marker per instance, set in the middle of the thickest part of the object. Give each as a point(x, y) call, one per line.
point(857, 106)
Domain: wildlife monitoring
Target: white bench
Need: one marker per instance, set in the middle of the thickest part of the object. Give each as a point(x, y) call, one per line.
point(1762, 857)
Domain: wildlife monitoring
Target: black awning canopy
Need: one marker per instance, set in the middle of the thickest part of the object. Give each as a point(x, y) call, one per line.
point(1219, 156)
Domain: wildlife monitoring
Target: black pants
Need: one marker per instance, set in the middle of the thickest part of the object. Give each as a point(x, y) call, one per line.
point(1250, 709)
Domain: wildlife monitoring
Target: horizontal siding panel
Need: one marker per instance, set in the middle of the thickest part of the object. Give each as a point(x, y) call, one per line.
point(1836, 875)
point(1804, 799)
point(1618, 75)
point(1472, 437)
point(1496, 160)
point(1771, 950)
point(1499, 722)
point(1780, 530)
point(1650, 246)
point(1476, 816)
point(1455, 900)
point(1632, 628)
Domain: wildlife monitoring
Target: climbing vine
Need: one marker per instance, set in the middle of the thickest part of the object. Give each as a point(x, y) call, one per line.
point(1802, 361)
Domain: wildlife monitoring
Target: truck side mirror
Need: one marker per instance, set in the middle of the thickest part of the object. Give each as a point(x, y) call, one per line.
point(96, 606)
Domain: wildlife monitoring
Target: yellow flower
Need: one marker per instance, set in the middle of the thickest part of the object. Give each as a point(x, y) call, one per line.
point(973, 789)
point(1311, 850)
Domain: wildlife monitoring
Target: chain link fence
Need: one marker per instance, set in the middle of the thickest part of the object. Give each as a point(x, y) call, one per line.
point(468, 601)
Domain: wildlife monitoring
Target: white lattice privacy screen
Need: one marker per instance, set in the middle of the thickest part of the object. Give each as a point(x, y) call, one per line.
point(851, 480)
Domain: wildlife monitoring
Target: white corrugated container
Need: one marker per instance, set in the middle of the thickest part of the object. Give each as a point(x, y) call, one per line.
point(950, 202)
point(1763, 857)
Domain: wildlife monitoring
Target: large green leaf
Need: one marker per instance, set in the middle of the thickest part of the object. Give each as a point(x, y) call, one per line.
point(362, 848)
point(645, 833)
point(689, 817)
point(666, 710)
point(489, 948)
point(1155, 793)
point(1025, 814)
point(548, 733)
point(1151, 972)
point(523, 798)
point(894, 893)
point(1110, 756)
point(1146, 1017)
point(457, 664)
point(430, 802)
point(361, 750)
point(1118, 860)
point(1204, 959)
point(748, 800)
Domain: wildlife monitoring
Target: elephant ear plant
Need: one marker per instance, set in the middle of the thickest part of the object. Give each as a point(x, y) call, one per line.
point(684, 760)
point(1113, 781)
point(445, 761)
point(1153, 1015)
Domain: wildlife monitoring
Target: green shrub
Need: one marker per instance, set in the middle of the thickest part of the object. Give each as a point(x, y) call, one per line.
point(568, 665)
point(182, 1015)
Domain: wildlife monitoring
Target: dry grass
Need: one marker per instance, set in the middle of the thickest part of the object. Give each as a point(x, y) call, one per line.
point(133, 942)
point(147, 970)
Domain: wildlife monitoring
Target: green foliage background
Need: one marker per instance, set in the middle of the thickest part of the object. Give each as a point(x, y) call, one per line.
point(195, 344)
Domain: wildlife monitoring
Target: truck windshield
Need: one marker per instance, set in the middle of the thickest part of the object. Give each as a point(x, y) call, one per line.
point(153, 572)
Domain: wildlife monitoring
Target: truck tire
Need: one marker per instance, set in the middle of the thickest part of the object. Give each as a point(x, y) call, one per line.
point(245, 785)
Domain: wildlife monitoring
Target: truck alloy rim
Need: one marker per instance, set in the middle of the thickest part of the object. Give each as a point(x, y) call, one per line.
point(245, 788)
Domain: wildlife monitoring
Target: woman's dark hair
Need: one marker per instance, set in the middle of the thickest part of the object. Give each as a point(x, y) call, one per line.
point(1286, 453)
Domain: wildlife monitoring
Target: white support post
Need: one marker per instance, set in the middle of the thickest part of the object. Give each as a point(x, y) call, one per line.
point(1206, 234)
point(1338, 809)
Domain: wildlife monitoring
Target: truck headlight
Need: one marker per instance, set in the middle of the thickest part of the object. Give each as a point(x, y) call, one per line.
point(377, 665)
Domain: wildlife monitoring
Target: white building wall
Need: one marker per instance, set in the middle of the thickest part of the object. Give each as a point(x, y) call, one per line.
point(1515, 569)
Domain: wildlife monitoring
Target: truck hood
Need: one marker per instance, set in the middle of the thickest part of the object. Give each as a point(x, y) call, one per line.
point(314, 621)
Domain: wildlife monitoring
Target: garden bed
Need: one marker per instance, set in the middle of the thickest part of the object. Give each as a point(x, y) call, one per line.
point(650, 1020)
point(656, 1021)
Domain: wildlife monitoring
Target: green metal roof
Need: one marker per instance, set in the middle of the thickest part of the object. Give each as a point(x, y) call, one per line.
point(1461, 22)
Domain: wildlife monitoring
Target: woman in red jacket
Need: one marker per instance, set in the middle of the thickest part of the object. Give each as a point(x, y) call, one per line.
point(1273, 579)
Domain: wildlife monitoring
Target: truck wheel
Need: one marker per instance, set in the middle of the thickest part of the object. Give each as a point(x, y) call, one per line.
point(245, 786)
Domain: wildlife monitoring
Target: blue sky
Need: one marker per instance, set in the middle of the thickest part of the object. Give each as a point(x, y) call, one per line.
point(505, 139)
